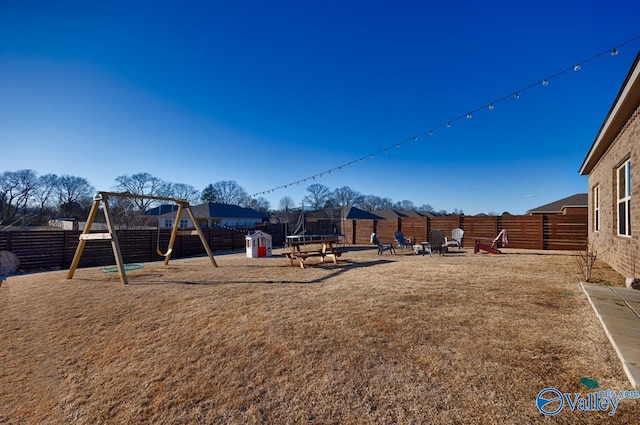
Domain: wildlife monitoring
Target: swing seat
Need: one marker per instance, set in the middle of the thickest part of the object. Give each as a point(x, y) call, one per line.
point(164, 255)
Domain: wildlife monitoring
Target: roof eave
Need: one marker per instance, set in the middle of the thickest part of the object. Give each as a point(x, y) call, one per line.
point(625, 104)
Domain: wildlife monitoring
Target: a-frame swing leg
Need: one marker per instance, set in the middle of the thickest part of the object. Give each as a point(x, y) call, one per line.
point(83, 241)
point(205, 244)
point(114, 240)
point(101, 197)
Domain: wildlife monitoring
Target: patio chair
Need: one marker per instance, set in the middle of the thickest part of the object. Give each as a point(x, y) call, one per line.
point(437, 241)
point(382, 246)
point(399, 239)
point(456, 238)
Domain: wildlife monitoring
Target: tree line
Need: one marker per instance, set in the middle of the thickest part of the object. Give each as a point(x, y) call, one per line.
point(27, 198)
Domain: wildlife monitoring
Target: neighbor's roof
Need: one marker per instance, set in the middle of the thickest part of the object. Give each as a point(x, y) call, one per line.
point(397, 213)
point(353, 213)
point(348, 213)
point(625, 104)
point(162, 209)
point(577, 200)
point(216, 210)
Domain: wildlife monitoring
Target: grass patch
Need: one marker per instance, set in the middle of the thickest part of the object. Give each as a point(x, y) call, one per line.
point(375, 339)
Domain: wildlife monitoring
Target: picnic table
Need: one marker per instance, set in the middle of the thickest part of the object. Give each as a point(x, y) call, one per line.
point(325, 248)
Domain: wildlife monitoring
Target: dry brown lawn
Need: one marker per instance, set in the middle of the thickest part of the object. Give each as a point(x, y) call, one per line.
point(461, 338)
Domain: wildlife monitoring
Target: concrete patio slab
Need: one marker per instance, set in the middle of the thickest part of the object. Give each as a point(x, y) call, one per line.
point(618, 311)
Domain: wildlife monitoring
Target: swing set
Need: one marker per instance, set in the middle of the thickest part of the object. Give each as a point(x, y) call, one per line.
point(102, 198)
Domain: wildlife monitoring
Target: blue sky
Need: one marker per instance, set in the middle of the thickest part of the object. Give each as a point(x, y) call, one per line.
point(270, 93)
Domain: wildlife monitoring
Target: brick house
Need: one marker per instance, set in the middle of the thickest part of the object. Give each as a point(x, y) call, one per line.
point(614, 185)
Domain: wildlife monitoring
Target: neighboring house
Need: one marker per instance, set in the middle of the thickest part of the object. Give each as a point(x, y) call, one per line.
point(340, 213)
point(612, 165)
point(575, 204)
point(331, 220)
point(213, 214)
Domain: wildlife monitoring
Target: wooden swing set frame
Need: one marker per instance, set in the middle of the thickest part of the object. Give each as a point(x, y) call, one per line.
point(103, 198)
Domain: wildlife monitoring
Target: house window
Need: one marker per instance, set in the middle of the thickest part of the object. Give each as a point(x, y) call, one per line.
point(168, 222)
point(624, 199)
point(183, 223)
point(596, 208)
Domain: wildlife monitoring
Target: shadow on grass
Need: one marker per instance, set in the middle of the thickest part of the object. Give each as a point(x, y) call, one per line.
point(335, 270)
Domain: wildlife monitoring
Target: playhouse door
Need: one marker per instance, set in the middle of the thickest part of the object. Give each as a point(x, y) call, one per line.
point(262, 247)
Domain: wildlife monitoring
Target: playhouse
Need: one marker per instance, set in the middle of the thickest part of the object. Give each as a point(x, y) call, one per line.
point(258, 244)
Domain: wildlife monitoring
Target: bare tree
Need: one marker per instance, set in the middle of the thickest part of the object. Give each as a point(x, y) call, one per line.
point(125, 213)
point(260, 204)
point(404, 205)
point(45, 191)
point(73, 193)
point(345, 196)
point(16, 189)
point(373, 202)
point(318, 195)
point(183, 191)
point(225, 192)
point(286, 203)
point(427, 208)
point(142, 184)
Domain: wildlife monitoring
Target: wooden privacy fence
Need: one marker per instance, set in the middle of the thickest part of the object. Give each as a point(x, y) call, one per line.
point(55, 249)
point(554, 232)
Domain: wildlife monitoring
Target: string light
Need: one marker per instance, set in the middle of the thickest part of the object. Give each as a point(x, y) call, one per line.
point(491, 106)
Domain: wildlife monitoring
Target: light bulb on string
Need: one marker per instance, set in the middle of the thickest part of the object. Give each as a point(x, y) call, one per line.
point(544, 82)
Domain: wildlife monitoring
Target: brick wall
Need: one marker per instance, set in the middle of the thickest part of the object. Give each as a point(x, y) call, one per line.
point(620, 252)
